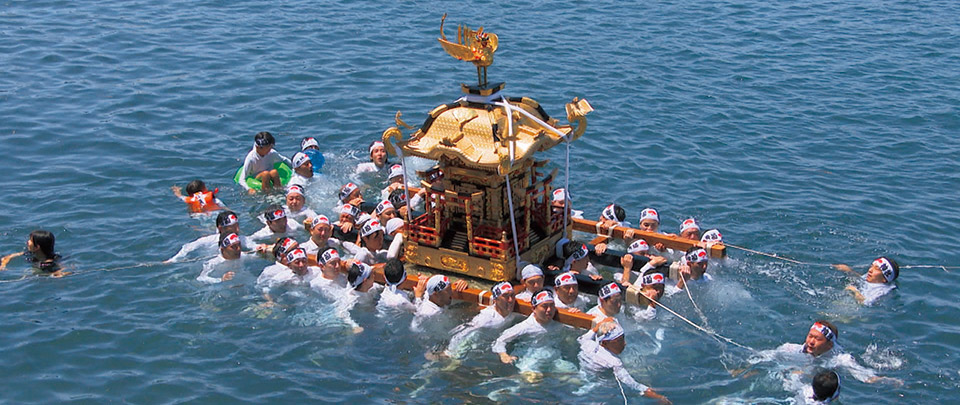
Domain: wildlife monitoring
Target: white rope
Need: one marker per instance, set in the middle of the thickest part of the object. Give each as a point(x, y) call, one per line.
point(621, 388)
point(538, 121)
point(713, 334)
point(686, 287)
point(513, 145)
point(566, 189)
point(406, 193)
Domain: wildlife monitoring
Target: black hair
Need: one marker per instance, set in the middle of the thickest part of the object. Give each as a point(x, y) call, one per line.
point(393, 271)
point(619, 212)
point(830, 326)
point(825, 384)
point(693, 248)
point(896, 267)
point(570, 248)
point(264, 136)
point(195, 186)
point(271, 209)
point(277, 246)
point(44, 241)
point(396, 198)
point(222, 217)
point(354, 272)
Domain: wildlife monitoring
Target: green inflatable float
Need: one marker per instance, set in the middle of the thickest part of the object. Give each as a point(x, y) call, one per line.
point(282, 169)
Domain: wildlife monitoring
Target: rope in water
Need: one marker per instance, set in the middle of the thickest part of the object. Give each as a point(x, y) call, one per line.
point(134, 266)
point(794, 261)
point(713, 334)
point(621, 388)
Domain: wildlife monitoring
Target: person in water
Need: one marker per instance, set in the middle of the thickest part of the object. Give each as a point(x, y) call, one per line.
point(227, 223)
point(638, 247)
point(538, 323)
point(393, 298)
point(710, 238)
point(431, 296)
point(650, 222)
point(532, 278)
point(302, 170)
point(566, 289)
point(394, 181)
point(576, 258)
point(230, 255)
point(385, 211)
point(496, 315)
point(609, 303)
point(876, 282)
point(346, 222)
point(600, 350)
point(370, 250)
point(310, 147)
point(320, 231)
point(350, 194)
point(378, 159)
point(690, 229)
point(296, 208)
point(260, 162)
point(40, 253)
point(558, 198)
point(691, 267)
point(612, 215)
point(278, 225)
point(198, 198)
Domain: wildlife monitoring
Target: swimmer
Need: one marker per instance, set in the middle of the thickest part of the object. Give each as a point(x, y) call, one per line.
point(385, 211)
point(198, 198)
point(229, 258)
point(360, 278)
point(557, 200)
point(346, 222)
point(493, 316)
point(825, 387)
point(600, 350)
point(431, 296)
point(302, 170)
point(638, 247)
point(331, 279)
point(691, 267)
point(821, 344)
point(710, 238)
point(394, 229)
point(227, 223)
point(370, 250)
point(609, 301)
point(280, 250)
point(567, 292)
point(350, 194)
point(278, 225)
point(297, 273)
point(652, 287)
point(536, 324)
point(378, 159)
point(40, 254)
point(296, 204)
point(690, 229)
point(320, 231)
point(532, 278)
point(612, 215)
point(876, 282)
point(310, 147)
point(650, 222)
point(259, 164)
point(393, 298)
point(576, 258)
point(394, 181)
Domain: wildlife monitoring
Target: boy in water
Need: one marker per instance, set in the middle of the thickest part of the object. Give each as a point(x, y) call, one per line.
point(296, 208)
point(260, 162)
point(198, 198)
point(876, 282)
point(40, 253)
point(600, 350)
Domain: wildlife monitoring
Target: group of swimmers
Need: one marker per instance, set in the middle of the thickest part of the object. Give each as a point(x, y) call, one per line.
point(337, 258)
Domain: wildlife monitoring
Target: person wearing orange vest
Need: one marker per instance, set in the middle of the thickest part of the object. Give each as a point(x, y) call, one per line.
point(198, 198)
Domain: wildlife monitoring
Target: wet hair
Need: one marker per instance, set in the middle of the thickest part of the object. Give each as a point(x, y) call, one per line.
point(619, 212)
point(271, 209)
point(393, 271)
point(223, 215)
point(831, 326)
point(396, 198)
point(264, 137)
point(896, 267)
point(386, 158)
point(277, 246)
point(44, 241)
point(570, 248)
point(825, 384)
point(195, 186)
point(353, 273)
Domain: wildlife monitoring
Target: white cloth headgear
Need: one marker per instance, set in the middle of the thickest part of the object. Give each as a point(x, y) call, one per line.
point(541, 297)
point(365, 271)
point(530, 270)
point(296, 254)
point(299, 159)
point(308, 142)
point(689, 223)
point(638, 246)
point(437, 283)
point(711, 237)
point(649, 213)
point(568, 278)
point(370, 228)
point(395, 171)
point(393, 224)
point(609, 290)
point(886, 268)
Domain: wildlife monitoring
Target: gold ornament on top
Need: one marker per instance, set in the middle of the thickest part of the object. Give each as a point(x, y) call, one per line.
point(472, 46)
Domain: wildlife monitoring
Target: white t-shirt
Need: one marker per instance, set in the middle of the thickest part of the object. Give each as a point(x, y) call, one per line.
point(394, 299)
point(277, 277)
point(206, 246)
point(595, 359)
point(267, 234)
point(487, 318)
point(312, 249)
point(873, 291)
point(528, 326)
point(425, 310)
point(834, 358)
point(299, 216)
point(253, 164)
point(221, 266)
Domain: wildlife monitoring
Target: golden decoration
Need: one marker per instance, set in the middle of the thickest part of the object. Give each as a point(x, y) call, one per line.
point(472, 46)
point(453, 263)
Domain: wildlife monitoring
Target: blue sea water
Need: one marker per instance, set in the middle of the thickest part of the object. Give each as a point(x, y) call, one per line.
point(823, 131)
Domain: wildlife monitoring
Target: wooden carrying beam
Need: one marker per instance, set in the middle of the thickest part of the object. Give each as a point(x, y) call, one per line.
point(673, 242)
point(482, 297)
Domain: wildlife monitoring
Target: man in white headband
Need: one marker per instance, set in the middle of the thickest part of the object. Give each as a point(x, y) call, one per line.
point(650, 222)
point(490, 317)
point(296, 208)
point(538, 323)
point(370, 250)
point(710, 238)
point(690, 229)
point(876, 282)
point(600, 350)
point(573, 256)
point(567, 292)
point(651, 287)
point(532, 278)
point(394, 230)
point(320, 231)
point(613, 215)
point(310, 147)
point(393, 299)
point(351, 194)
point(821, 343)
point(378, 159)
point(691, 267)
point(278, 225)
point(227, 223)
point(824, 388)
point(385, 211)
point(638, 249)
point(298, 273)
point(331, 280)
point(431, 296)
point(558, 198)
point(609, 302)
point(343, 229)
point(302, 170)
point(227, 261)
point(394, 181)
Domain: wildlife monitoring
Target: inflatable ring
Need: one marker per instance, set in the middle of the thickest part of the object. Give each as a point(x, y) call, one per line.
point(282, 169)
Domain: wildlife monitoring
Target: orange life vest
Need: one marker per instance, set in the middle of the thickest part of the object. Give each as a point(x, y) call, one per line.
point(202, 202)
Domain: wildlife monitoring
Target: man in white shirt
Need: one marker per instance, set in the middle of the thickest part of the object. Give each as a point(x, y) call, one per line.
point(278, 225)
point(532, 278)
point(227, 223)
point(536, 324)
point(320, 232)
point(228, 260)
point(567, 291)
point(431, 296)
point(609, 302)
point(493, 316)
point(600, 348)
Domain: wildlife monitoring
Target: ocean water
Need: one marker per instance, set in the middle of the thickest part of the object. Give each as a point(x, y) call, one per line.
point(825, 131)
